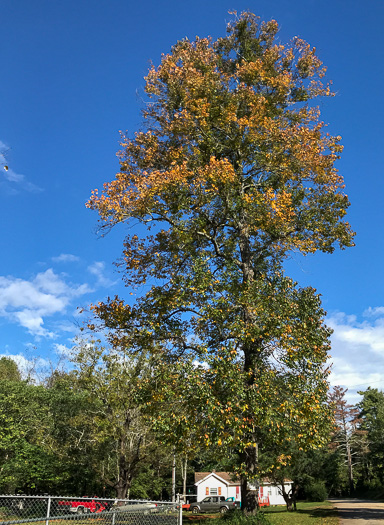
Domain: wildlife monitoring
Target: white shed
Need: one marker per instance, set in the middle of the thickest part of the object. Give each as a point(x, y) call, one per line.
point(226, 484)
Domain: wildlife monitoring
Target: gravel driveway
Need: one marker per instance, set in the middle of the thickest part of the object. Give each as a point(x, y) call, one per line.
point(359, 511)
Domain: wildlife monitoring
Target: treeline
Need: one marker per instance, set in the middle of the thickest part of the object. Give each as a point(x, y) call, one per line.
point(90, 431)
point(351, 462)
point(358, 442)
point(81, 432)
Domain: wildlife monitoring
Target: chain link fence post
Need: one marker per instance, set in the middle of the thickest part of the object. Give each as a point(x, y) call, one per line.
point(48, 510)
point(180, 507)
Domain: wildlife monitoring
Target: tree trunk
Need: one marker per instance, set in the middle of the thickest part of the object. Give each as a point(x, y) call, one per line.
point(350, 469)
point(249, 457)
point(249, 498)
point(121, 488)
point(290, 498)
point(127, 463)
point(124, 480)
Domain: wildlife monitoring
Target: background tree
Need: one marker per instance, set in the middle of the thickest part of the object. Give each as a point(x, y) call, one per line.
point(371, 412)
point(348, 438)
point(233, 171)
point(9, 370)
point(69, 437)
point(39, 436)
point(119, 431)
point(25, 463)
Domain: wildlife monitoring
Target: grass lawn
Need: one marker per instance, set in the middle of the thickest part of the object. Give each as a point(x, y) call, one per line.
point(322, 513)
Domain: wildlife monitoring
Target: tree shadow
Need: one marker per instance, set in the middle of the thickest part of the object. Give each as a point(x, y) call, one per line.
point(321, 512)
point(362, 513)
point(313, 512)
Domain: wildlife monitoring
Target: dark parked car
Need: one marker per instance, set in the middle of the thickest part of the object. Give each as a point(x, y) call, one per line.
point(213, 504)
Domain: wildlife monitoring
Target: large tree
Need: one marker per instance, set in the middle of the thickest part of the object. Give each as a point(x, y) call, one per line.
point(233, 171)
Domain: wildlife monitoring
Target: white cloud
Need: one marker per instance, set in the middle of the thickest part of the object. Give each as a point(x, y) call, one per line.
point(373, 312)
point(65, 257)
point(358, 351)
point(63, 350)
point(97, 269)
point(33, 322)
point(369, 335)
point(17, 293)
point(28, 303)
point(11, 177)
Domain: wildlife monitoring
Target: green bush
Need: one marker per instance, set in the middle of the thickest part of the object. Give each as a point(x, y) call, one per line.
point(316, 491)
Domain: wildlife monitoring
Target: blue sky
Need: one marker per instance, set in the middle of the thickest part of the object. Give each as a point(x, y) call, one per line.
point(72, 77)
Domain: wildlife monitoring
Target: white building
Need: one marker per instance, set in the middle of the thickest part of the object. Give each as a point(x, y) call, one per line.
point(222, 484)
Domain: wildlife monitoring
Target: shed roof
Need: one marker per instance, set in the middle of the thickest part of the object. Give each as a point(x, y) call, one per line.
point(227, 477)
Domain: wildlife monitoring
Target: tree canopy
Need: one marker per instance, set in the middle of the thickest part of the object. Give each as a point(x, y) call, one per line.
point(232, 172)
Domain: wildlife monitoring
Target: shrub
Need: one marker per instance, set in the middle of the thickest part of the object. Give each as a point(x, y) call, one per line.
point(316, 491)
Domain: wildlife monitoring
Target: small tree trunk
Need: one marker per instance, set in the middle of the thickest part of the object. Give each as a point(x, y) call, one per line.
point(174, 478)
point(290, 498)
point(350, 469)
point(288, 502)
point(184, 465)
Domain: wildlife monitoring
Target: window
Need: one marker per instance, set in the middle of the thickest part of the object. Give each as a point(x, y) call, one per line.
point(213, 491)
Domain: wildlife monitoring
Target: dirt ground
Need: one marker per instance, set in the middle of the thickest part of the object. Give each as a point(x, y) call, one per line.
point(359, 512)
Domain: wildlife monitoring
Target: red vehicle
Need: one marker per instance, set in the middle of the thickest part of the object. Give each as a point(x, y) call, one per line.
point(84, 506)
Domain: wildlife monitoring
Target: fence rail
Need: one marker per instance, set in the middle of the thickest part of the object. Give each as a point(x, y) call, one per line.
point(54, 510)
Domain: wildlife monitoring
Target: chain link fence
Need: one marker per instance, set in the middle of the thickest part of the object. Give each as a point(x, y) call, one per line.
point(53, 510)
